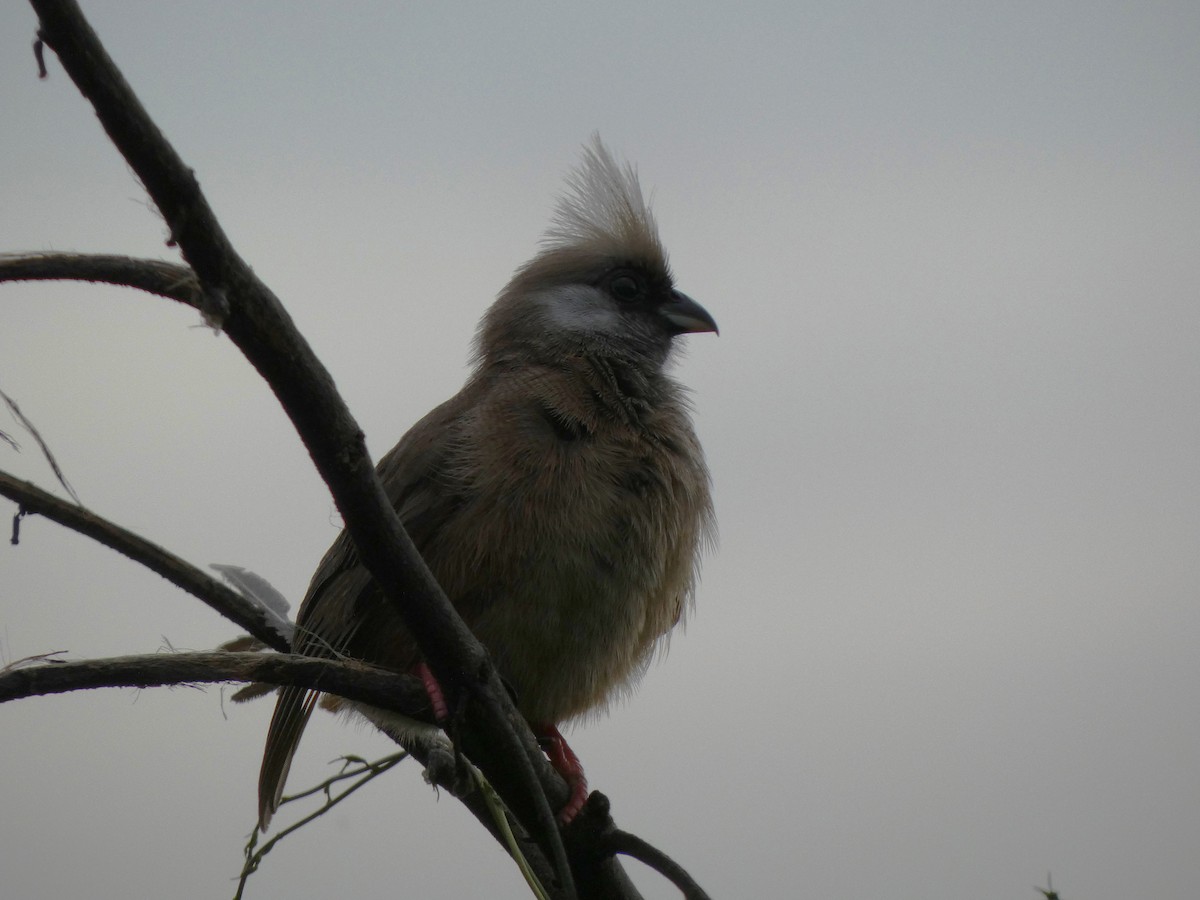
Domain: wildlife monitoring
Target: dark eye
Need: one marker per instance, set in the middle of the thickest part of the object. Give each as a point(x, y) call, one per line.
point(625, 287)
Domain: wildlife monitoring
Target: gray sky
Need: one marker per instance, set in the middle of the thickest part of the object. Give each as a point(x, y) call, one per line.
point(948, 642)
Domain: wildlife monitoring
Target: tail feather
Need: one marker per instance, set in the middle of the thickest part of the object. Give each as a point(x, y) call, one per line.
point(292, 711)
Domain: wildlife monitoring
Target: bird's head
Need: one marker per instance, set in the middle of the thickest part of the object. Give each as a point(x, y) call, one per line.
point(600, 286)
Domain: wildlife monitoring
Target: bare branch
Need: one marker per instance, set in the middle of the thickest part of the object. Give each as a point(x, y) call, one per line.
point(46, 674)
point(632, 845)
point(224, 600)
point(496, 737)
point(154, 276)
point(346, 678)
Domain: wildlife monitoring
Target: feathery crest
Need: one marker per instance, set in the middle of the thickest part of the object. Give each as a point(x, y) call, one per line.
point(603, 210)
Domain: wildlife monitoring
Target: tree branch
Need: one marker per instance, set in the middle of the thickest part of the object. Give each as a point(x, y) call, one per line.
point(177, 282)
point(213, 667)
point(351, 679)
point(346, 678)
point(632, 845)
point(232, 605)
point(155, 276)
point(257, 323)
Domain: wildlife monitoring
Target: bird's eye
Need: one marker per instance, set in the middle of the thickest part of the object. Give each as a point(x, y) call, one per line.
point(625, 287)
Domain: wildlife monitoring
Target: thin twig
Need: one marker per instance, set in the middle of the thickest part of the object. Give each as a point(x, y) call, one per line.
point(46, 452)
point(373, 770)
point(500, 818)
point(182, 574)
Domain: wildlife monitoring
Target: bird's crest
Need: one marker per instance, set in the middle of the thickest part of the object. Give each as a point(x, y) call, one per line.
point(603, 211)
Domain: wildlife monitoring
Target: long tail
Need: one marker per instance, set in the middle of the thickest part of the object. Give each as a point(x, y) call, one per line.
point(292, 710)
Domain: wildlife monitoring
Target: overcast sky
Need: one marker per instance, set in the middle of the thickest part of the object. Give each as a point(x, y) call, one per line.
point(949, 640)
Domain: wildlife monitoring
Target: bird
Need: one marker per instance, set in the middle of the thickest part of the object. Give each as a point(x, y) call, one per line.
point(561, 498)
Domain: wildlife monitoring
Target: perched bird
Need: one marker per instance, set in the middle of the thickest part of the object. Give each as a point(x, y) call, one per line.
point(561, 498)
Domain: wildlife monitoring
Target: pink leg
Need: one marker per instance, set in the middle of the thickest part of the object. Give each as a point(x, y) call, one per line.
point(436, 698)
point(566, 764)
point(561, 756)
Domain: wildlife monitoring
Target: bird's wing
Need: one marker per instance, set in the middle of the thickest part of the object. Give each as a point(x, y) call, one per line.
point(343, 612)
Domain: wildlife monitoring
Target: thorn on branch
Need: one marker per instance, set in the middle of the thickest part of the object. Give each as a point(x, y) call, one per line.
point(47, 658)
point(16, 531)
point(39, 53)
point(1048, 891)
point(214, 308)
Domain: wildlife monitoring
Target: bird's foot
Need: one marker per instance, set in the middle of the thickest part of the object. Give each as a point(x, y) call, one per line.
point(437, 700)
point(566, 764)
point(445, 768)
point(557, 750)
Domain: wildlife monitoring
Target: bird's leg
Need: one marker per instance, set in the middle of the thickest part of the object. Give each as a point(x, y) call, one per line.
point(559, 752)
point(437, 699)
point(566, 764)
point(443, 767)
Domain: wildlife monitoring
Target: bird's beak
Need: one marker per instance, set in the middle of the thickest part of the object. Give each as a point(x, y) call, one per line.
point(686, 315)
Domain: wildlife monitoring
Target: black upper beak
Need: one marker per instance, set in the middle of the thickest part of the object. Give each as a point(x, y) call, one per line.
point(686, 315)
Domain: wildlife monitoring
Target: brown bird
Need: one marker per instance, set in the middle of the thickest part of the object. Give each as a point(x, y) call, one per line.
point(561, 498)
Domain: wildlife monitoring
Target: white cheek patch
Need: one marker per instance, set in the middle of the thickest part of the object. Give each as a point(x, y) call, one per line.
point(582, 310)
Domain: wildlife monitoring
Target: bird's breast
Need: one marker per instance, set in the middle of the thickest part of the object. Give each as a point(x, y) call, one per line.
point(572, 551)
